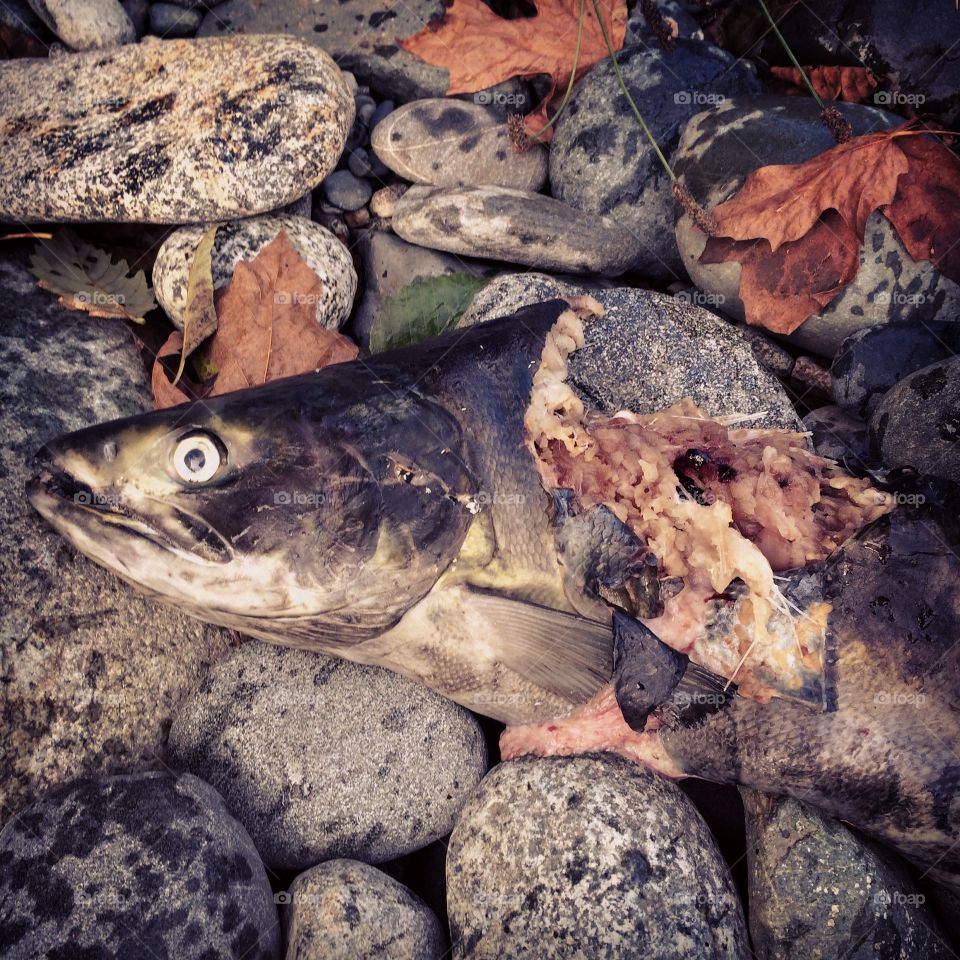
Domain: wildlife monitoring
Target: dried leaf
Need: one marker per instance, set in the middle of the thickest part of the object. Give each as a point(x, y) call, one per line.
point(852, 84)
point(86, 279)
point(165, 393)
point(200, 312)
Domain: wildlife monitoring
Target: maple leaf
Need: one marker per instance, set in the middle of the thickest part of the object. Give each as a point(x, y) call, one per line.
point(267, 329)
point(852, 84)
point(481, 49)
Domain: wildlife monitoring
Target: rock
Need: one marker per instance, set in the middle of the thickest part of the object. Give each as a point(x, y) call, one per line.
point(346, 191)
point(650, 350)
point(721, 147)
point(19, 15)
point(512, 225)
point(456, 144)
point(810, 380)
point(600, 160)
point(872, 360)
point(138, 11)
point(91, 671)
point(587, 856)
point(389, 265)
point(384, 202)
point(299, 208)
point(839, 435)
point(86, 24)
point(819, 890)
point(147, 865)
point(676, 15)
point(171, 20)
point(343, 909)
point(768, 352)
point(917, 423)
point(322, 758)
point(242, 240)
point(173, 131)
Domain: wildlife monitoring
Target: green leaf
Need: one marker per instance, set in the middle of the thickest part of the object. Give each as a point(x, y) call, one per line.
point(86, 279)
point(423, 309)
point(200, 314)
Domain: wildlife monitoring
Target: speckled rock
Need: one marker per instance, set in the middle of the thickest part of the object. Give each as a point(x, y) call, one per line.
point(321, 758)
point(917, 423)
point(86, 24)
point(719, 148)
point(838, 434)
point(587, 856)
point(819, 891)
point(650, 350)
point(512, 225)
point(243, 240)
point(600, 160)
point(344, 909)
point(172, 20)
point(456, 144)
point(148, 865)
point(872, 360)
point(172, 131)
point(91, 671)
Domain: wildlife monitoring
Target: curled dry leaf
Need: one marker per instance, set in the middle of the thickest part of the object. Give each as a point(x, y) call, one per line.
point(200, 312)
point(852, 84)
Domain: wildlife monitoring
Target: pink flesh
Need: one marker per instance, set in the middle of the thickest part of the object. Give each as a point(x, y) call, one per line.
point(597, 725)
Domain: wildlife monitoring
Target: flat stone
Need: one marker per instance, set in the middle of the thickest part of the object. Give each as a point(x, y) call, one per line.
point(344, 909)
point(172, 131)
point(455, 144)
point(346, 191)
point(172, 20)
point(600, 160)
point(86, 24)
point(91, 671)
point(322, 758)
point(512, 225)
point(147, 865)
point(718, 150)
point(589, 856)
point(917, 424)
point(819, 890)
point(839, 435)
point(242, 240)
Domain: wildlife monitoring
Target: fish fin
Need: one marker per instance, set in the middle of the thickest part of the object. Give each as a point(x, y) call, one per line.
point(699, 693)
point(568, 655)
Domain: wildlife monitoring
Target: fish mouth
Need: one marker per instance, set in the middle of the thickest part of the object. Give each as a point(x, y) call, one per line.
point(67, 502)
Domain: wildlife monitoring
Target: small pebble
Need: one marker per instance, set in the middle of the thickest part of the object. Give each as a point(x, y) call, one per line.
point(359, 163)
point(170, 20)
point(344, 190)
point(358, 218)
point(773, 357)
point(384, 201)
point(811, 376)
point(366, 112)
point(383, 110)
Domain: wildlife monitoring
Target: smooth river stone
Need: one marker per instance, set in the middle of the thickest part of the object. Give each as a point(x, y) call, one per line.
point(169, 131)
point(455, 144)
point(86, 24)
point(512, 225)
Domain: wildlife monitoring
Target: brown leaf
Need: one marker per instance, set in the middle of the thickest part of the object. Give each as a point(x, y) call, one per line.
point(852, 84)
point(165, 394)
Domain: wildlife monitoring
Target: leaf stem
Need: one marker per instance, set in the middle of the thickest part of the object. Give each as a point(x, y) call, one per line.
point(793, 59)
point(573, 72)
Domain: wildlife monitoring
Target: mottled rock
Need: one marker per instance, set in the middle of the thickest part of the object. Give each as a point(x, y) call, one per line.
point(172, 131)
point(509, 293)
point(321, 758)
point(86, 24)
point(512, 225)
point(172, 20)
point(717, 151)
point(839, 435)
point(872, 360)
point(600, 160)
point(455, 144)
point(384, 202)
point(346, 191)
point(146, 865)
point(91, 671)
point(344, 909)
point(819, 890)
point(917, 423)
point(767, 351)
point(242, 240)
point(587, 856)
point(677, 17)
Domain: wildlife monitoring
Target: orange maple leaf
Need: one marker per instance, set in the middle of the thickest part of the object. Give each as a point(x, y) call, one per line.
point(852, 84)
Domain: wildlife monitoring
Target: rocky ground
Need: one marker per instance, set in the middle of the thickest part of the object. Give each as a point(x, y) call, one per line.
point(172, 789)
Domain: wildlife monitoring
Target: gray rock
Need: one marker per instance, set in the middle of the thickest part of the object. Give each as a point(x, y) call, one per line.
point(86, 24)
point(508, 293)
point(345, 191)
point(512, 225)
point(91, 671)
point(173, 131)
point(600, 160)
point(242, 240)
point(299, 208)
point(383, 111)
point(344, 909)
point(18, 15)
point(917, 424)
point(839, 435)
point(769, 353)
point(721, 147)
point(138, 11)
point(390, 264)
point(147, 865)
point(456, 145)
point(321, 758)
point(358, 163)
point(818, 890)
point(172, 20)
point(587, 856)
point(639, 32)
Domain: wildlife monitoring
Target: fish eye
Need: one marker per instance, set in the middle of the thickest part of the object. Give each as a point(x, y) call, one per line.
point(196, 458)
